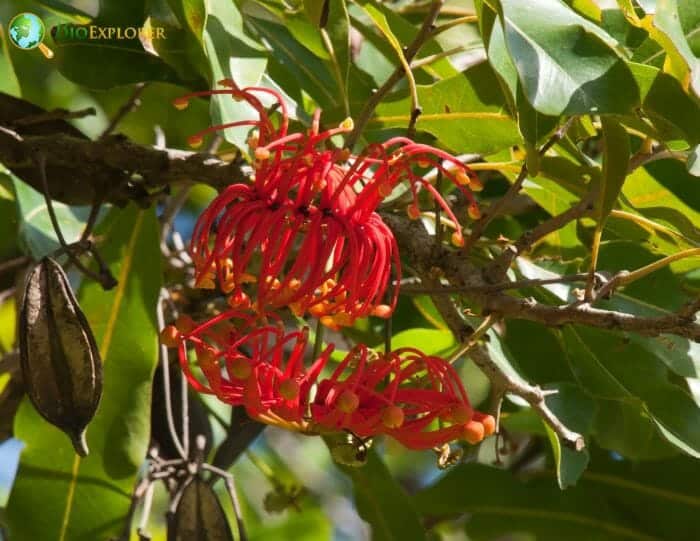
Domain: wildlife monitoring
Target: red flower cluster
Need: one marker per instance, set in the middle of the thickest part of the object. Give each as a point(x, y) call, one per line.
point(416, 399)
point(305, 235)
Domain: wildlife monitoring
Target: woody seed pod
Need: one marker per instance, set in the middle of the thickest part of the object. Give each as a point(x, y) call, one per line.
point(59, 359)
point(199, 515)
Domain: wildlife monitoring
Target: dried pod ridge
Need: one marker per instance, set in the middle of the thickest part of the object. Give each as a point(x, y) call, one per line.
point(60, 360)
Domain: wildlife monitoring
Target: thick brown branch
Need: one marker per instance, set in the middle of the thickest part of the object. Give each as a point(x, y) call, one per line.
point(114, 167)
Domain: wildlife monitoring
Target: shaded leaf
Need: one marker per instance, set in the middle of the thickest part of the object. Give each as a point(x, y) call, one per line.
point(104, 63)
point(613, 500)
point(382, 502)
point(609, 367)
point(616, 154)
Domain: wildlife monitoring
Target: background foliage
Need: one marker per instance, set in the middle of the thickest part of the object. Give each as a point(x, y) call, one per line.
point(495, 84)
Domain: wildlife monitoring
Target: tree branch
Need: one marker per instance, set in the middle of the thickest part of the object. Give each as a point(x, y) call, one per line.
point(425, 257)
point(79, 169)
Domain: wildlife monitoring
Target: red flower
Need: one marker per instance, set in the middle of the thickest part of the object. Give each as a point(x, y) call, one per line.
point(417, 399)
point(248, 363)
point(305, 232)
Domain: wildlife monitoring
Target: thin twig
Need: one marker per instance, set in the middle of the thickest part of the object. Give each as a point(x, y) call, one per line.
point(160, 318)
point(495, 209)
point(104, 279)
point(644, 158)
point(131, 105)
point(491, 288)
point(497, 269)
point(56, 114)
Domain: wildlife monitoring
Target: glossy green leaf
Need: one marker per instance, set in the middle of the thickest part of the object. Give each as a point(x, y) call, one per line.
point(404, 32)
point(84, 499)
point(383, 503)
point(565, 63)
point(675, 114)
point(338, 32)
point(625, 428)
point(104, 63)
point(465, 113)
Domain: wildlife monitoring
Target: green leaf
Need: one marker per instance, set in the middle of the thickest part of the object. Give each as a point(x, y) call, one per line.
point(8, 80)
point(303, 66)
point(440, 342)
point(405, 32)
point(85, 499)
point(565, 63)
point(104, 63)
point(616, 155)
point(383, 503)
point(36, 234)
point(465, 113)
point(338, 31)
point(644, 195)
point(626, 429)
point(10, 223)
point(667, 29)
point(614, 500)
point(675, 114)
point(609, 367)
point(232, 54)
point(316, 11)
point(66, 10)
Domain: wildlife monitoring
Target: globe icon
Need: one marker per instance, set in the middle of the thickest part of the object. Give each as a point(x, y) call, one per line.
point(27, 31)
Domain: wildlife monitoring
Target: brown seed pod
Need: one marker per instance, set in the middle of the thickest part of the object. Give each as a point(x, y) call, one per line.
point(60, 362)
point(199, 515)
